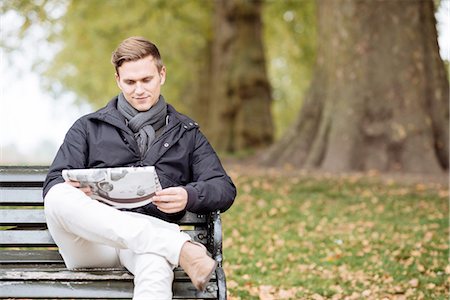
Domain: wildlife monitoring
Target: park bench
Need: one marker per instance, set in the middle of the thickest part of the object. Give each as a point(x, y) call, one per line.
point(31, 267)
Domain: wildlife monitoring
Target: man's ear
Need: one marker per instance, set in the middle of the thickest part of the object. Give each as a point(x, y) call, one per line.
point(162, 75)
point(117, 79)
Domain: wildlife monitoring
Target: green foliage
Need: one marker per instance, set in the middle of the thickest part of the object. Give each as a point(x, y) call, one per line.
point(291, 236)
point(92, 30)
point(290, 41)
point(44, 12)
point(86, 32)
point(32, 11)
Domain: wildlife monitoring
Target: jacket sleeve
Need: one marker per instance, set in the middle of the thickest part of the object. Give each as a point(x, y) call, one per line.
point(71, 155)
point(212, 189)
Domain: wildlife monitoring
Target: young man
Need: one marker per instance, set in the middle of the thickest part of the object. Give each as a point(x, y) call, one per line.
point(137, 128)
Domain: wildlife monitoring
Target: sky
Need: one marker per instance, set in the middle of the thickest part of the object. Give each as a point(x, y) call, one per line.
point(29, 115)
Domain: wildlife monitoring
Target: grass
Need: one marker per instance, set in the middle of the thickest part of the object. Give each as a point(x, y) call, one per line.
point(355, 237)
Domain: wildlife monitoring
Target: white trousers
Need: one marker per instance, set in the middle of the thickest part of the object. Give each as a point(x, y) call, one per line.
point(92, 234)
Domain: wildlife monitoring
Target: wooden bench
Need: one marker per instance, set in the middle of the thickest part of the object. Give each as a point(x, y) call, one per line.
point(31, 267)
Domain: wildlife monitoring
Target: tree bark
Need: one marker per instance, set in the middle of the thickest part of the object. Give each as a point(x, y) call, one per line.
point(240, 114)
point(379, 95)
point(198, 89)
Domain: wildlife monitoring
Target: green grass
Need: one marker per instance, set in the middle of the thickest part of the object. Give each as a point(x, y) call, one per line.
point(301, 237)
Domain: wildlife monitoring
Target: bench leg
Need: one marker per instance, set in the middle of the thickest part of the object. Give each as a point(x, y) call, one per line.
point(222, 284)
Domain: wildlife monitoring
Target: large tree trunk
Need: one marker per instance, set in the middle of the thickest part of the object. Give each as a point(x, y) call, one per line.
point(379, 95)
point(240, 103)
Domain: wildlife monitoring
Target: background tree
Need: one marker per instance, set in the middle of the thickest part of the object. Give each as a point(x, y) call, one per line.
point(240, 117)
point(379, 94)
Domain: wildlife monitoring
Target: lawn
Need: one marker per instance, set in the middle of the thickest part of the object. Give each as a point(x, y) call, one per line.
point(329, 237)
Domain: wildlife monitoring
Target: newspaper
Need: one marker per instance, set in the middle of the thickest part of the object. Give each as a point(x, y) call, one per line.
point(123, 187)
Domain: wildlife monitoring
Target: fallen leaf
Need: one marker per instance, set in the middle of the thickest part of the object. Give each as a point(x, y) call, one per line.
point(266, 292)
point(447, 269)
point(317, 297)
point(232, 284)
point(414, 282)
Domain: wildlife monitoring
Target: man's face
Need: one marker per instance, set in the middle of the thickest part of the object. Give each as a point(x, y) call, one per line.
point(140, 82)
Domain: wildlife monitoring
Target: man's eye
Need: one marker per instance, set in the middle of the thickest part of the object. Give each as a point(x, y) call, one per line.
point(129, 82)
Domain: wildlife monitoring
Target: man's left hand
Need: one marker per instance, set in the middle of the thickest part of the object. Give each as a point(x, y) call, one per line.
point(171, 200)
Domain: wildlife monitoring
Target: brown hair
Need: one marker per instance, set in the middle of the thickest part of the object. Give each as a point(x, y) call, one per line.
point(135, 48)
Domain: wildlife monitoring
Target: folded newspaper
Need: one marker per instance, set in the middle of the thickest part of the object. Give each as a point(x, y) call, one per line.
point(123, 187)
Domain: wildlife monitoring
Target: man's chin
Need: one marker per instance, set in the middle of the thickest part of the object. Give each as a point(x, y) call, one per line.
point(142, 106)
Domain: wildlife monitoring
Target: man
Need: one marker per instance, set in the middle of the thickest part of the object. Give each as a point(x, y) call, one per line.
point(137, 128)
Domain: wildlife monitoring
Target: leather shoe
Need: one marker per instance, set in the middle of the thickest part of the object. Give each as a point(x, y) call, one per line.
point(197, 264)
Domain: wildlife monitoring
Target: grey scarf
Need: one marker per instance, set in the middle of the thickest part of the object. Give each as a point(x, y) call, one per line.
point(144, 124)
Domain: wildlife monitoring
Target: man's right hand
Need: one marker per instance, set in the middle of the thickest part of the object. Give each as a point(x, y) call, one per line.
point(87, 189)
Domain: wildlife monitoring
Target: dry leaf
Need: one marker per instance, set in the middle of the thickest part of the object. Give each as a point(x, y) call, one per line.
point(317, 297)
point(414, 282)
point(266, 292)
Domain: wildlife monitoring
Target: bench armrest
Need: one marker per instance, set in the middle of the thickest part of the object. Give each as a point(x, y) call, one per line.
point(215, 236)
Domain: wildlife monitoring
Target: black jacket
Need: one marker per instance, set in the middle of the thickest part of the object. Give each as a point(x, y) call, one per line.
point(181, 155)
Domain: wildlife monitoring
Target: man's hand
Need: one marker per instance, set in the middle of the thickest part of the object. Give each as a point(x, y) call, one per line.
point(171, 200)
point(87, 190)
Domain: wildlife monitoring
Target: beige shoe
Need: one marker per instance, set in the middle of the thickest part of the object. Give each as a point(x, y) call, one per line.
point(197, 264)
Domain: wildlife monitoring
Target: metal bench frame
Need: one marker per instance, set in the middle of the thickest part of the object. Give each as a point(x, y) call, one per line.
point(31, 267)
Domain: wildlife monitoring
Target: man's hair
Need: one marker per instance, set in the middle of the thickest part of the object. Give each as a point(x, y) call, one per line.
point(135, 48)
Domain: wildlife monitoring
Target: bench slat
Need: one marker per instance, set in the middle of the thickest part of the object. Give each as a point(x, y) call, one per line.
point(21, 196)
point(38, 238)
point(91, 290)
point(37, 216)
point(28, 272)
point(61, 273)
point(22, 176)
point(16, 238)
point(58, 289)
point(30, 257)
point(21, 216)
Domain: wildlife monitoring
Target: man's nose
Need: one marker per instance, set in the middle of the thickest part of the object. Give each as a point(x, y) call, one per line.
point(139, 88)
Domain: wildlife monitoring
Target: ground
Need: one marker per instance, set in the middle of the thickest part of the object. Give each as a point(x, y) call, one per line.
point(293, 234)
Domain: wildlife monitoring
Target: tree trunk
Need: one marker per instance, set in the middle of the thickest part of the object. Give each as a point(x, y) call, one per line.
point(240, 116)
point(379, 95)
point(198, 90)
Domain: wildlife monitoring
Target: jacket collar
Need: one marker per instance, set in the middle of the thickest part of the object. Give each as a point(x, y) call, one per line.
point(109, 114)
point(175, 118)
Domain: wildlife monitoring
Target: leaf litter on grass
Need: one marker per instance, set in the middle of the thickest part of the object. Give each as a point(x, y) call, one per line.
point(329, 237)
